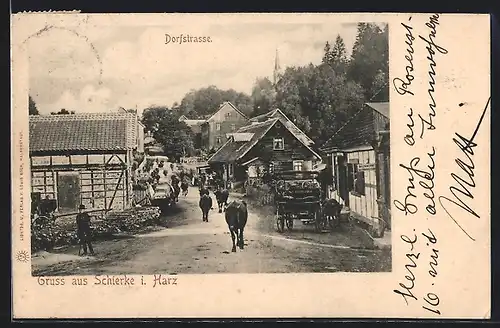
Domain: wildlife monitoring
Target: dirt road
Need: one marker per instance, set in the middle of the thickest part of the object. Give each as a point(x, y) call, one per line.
point(189, 245)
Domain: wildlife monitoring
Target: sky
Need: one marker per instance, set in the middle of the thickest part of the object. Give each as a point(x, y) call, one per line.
point(99, 69)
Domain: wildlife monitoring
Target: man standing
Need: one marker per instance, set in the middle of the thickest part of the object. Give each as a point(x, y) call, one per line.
point(83, 230)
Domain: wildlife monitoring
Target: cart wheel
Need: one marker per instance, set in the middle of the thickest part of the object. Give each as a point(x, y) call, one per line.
point(280, 222)
point(332, 222)
point(289, 224)
point(317, 221)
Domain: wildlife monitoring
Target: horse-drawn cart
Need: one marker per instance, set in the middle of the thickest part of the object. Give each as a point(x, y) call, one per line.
point(298, 197)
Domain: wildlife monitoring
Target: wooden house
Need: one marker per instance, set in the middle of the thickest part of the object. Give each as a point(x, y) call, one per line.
point(227, 119)
point(277, 113)
point(359, 157)
point(83, 159)
point(269, 146)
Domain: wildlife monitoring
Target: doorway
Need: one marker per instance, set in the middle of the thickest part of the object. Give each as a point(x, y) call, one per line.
point(342, 179)
point(68, 190)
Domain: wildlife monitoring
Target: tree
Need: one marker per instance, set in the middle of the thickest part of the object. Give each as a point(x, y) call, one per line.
point(263, 96)
point(336, 56)
point(318, 99)
point(152, 115)
point(206, 101)
point(33, 110)
point(176, 137)
point(63, 111)
point(369, 64)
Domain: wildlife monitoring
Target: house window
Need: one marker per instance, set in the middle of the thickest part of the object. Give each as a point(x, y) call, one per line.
point(233, 127)
point(217, 126)
point(218, 140)
point(355, 180)
point(228, 115)
point(297, 165)
point(278, 144)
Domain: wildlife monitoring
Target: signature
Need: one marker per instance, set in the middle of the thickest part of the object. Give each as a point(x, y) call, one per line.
point(467, 166)
point(432, 47)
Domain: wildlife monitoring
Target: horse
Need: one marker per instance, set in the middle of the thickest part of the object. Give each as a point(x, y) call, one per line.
point(221, 195)
point(236, 219)
point(185, 188)
point(331, 211)
point(205, 206)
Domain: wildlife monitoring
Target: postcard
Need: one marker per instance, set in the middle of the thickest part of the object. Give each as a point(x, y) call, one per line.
point(250, 165)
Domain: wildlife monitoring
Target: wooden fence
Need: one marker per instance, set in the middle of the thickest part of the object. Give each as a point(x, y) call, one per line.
point(263, 194)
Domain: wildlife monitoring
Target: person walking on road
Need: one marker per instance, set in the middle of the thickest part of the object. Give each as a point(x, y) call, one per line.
point(83, 230)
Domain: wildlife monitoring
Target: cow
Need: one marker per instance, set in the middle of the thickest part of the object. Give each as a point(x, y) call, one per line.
point(236, 219)
point(331, 211)
point(203, 191)
point(221, 195)
point(185, 188)
point(205, 206)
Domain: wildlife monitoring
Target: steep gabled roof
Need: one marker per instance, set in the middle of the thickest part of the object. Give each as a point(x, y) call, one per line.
point(82, 132)
point(233, 150)
point(359, 130)
point(192, 123)
point(277, 113)
point(381, 107)
point(240, 136)
point(227, 152)
point(220, 108)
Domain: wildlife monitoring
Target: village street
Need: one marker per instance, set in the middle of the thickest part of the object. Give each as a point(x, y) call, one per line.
point(188, 245)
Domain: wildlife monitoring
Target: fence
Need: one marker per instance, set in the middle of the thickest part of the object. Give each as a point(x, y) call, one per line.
point(140, 197)
point(263, 194)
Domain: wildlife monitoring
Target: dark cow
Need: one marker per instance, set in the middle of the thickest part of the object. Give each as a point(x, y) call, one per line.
point(236, 219)
point(331, 211)
point(204, 191)
point(221, 195)
point(185, 188)
point(205, 206)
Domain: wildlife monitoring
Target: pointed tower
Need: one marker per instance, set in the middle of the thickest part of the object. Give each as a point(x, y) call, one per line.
point(277, 68)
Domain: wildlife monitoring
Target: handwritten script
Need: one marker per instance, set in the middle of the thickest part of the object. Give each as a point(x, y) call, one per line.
point(423, 251)
point(465, 178)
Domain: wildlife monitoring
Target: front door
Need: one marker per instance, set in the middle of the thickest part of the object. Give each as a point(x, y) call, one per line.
point(68, 191)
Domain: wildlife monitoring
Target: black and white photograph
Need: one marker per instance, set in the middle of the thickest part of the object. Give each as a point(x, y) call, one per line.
point(156, 150)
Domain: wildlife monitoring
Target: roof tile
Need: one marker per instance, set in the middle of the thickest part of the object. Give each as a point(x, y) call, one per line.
point(80, 132)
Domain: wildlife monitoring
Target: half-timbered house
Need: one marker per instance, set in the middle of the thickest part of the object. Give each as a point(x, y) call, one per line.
point(359, 157)
point(84, 159)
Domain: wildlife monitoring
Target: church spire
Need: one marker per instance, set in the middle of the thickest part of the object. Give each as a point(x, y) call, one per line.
point(277, 68)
